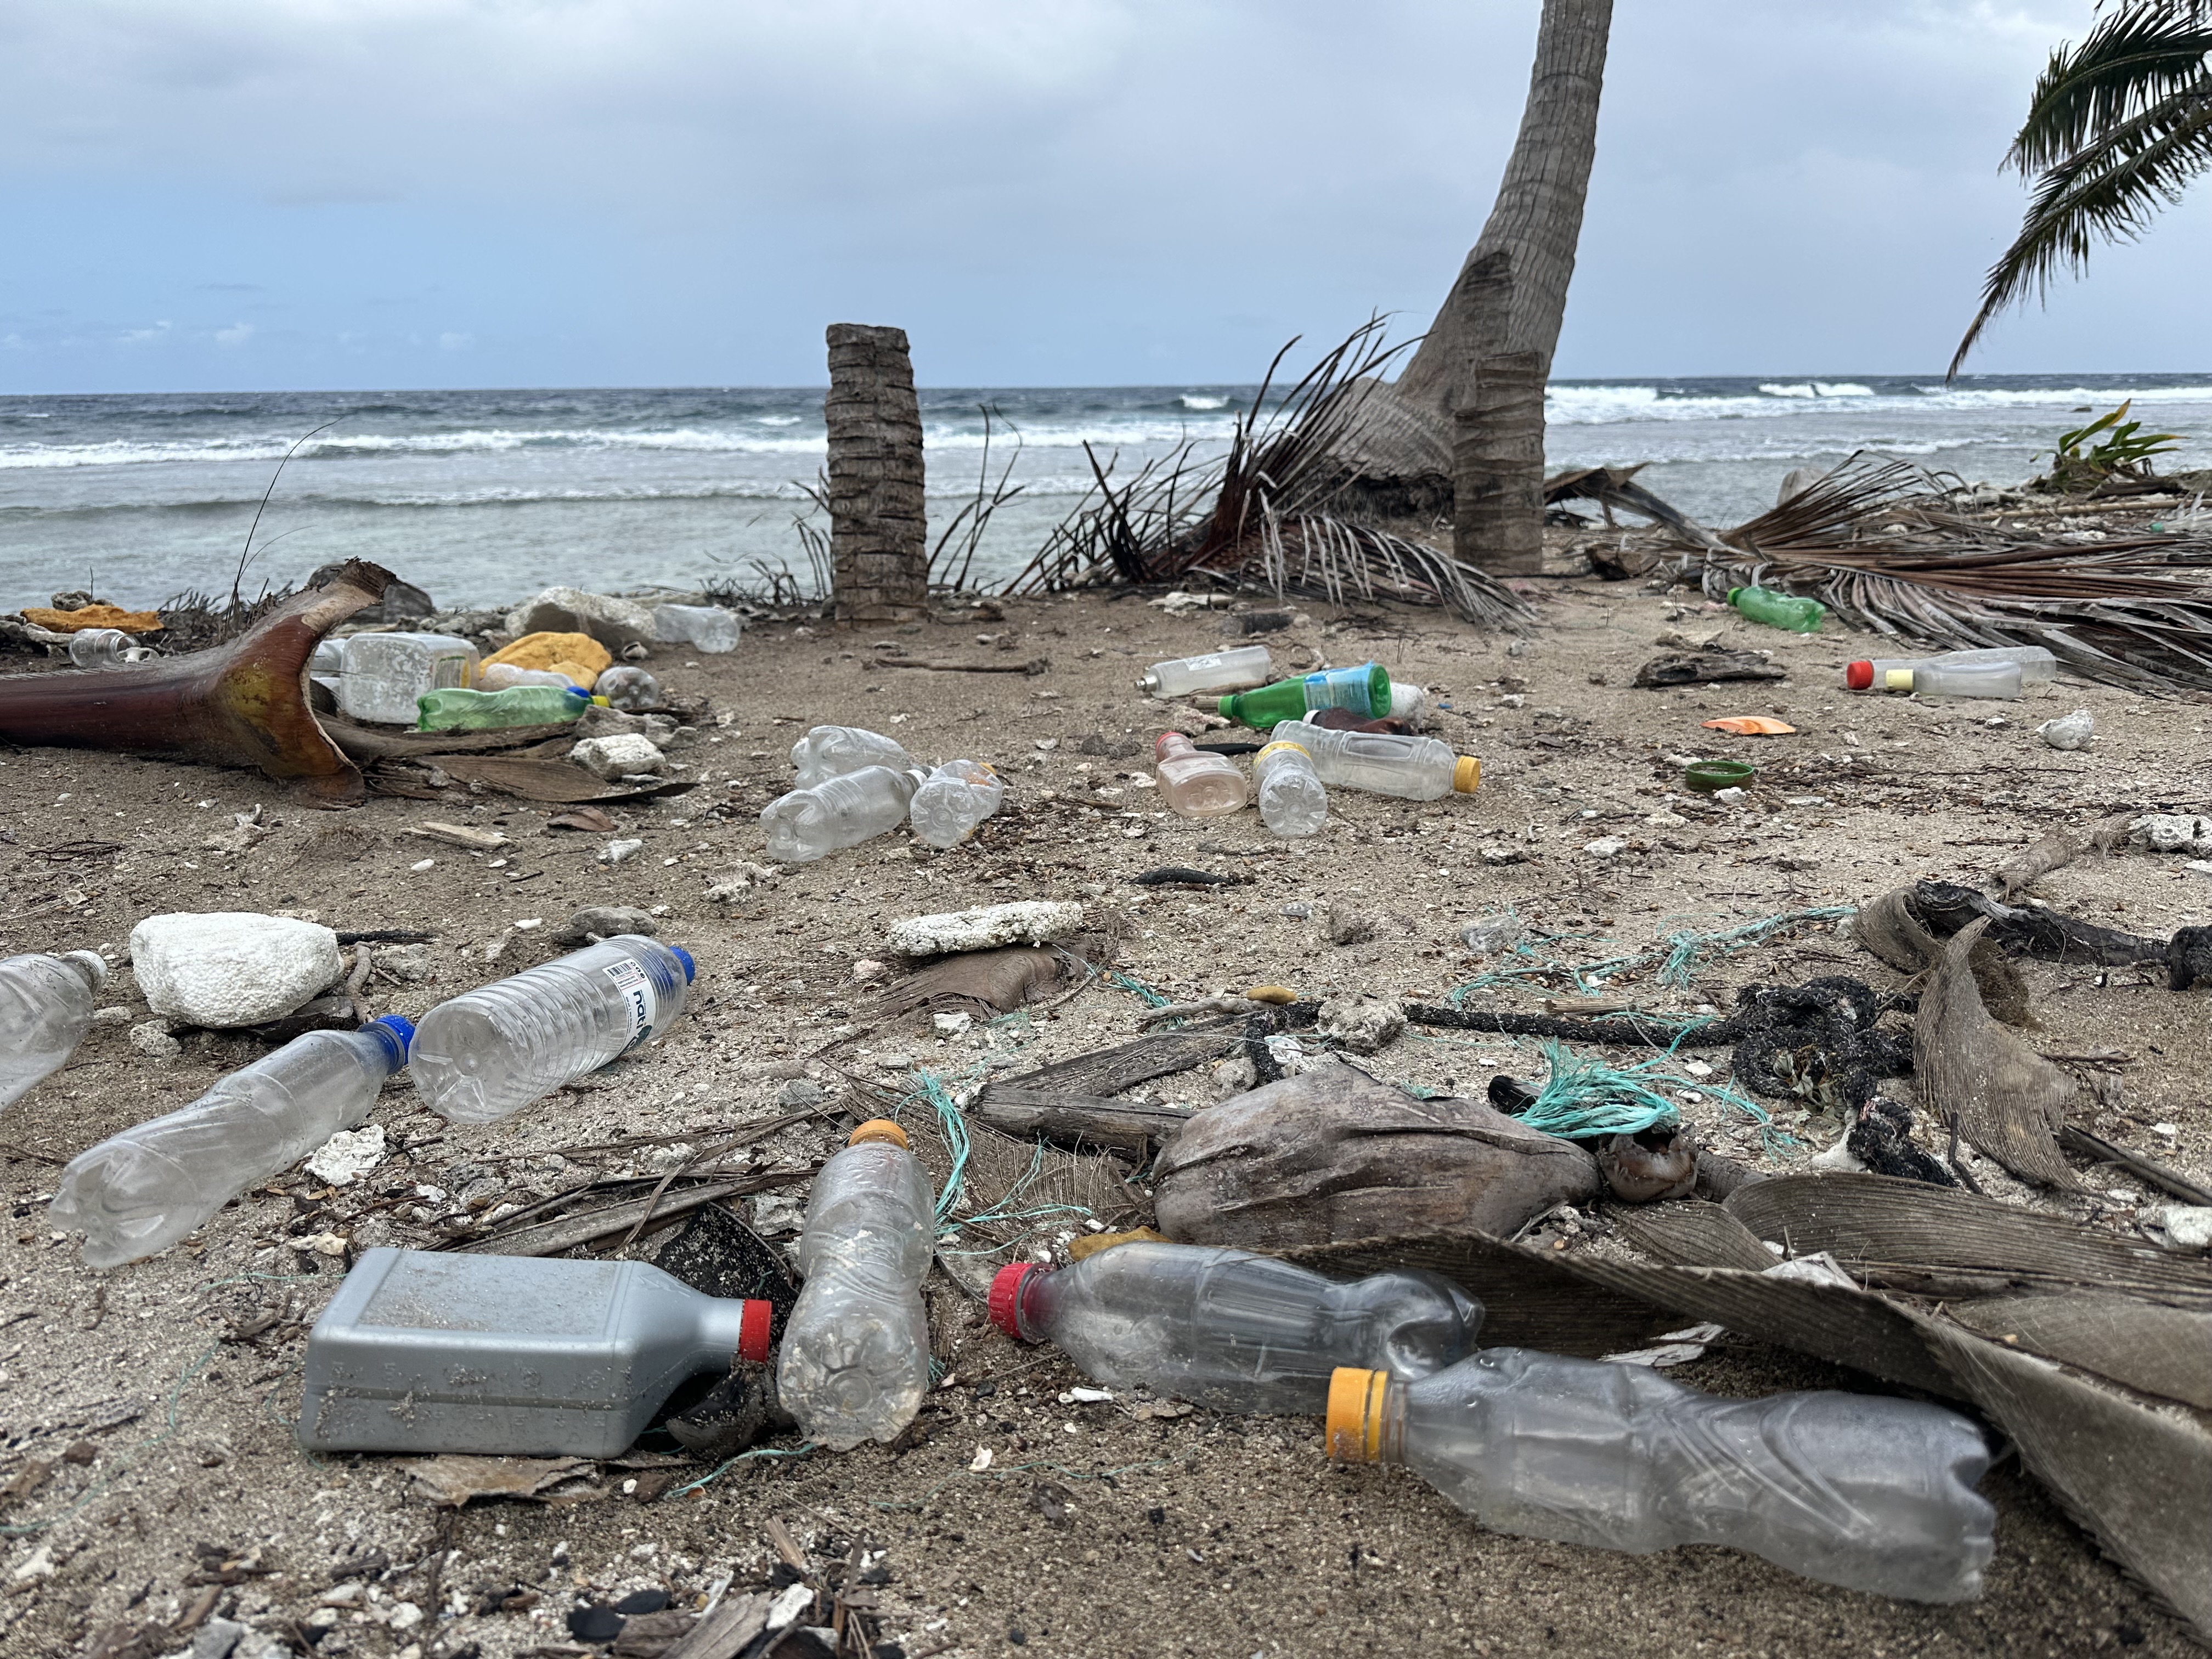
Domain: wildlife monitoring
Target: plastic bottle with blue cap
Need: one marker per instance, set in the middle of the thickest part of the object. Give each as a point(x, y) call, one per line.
point(139, 1192)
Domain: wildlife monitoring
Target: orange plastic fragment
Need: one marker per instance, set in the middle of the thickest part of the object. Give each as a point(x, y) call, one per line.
point(1752, 726)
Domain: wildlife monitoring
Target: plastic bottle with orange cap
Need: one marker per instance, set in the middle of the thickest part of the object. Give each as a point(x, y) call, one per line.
point(855, 1360)
point(1382, 763)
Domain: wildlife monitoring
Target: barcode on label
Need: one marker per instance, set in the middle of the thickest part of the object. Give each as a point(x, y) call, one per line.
point(638, 1001)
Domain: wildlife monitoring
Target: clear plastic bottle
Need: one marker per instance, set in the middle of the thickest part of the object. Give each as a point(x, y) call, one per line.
point(506, 676)
point(1998, 680)
point(139, 1192)
point(470, 710)
point(831, 751)
point(424, 1351)
point(630, 690)
point(706, 628)
point(808, 824)
point(1218, 670)
point(386, 674)
point(493, 1050)
point(1787, 611)
point(46, 1009)
point(1292, 800)
point(105, 648)
point(1228, 1329)
point(855, 1361)
point(1195, 784)
point(1871, 1493)
point(2037, 667)
point(1382, 763)
point(953, 799)
point(1365, 690)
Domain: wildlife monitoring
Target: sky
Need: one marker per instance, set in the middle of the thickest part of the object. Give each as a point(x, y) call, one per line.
point(334, 194)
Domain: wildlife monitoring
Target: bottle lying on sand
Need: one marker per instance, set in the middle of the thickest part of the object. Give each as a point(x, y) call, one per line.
point(1231, 1330)
point(422, 1351)
point(2037, 667)
point(953, 799)
point(1382, 763)
point(629, 688)
point(1196, 784)
point(2000, 680)
point(46, 1009)
point(832, 752)
point(855, 1361)
point(1785, 610)
point(1218, 671)
point(1365, 690)
point(470, 710)
point(1292, 800)
point(493, 1050)
point(105, 648)
point(808, 824)
point(1871, 1493)
point(386, 675)
point(139, 1192)
point(706, 628)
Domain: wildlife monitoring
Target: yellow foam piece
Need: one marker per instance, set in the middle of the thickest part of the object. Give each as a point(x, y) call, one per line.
point(579, 656)
point(92, 615)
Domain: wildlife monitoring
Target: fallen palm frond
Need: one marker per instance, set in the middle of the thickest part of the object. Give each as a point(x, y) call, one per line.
point(1258, 515)
point(1873, 541)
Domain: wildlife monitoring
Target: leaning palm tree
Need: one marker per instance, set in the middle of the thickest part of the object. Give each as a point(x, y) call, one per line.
point(2118, 126)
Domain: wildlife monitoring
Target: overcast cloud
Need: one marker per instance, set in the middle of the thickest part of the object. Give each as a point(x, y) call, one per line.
point(345, 193)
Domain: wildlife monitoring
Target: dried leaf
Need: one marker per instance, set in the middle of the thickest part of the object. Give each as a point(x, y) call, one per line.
point(2006, 1099)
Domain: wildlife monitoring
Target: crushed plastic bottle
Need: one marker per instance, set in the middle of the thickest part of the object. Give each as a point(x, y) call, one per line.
point(105, 648)
point(139, 1192)
point(504, 676)
point(1364, 690)
point(1218, 671)
point(1998, 680)
point(470, 710)
point(832, 752)
point(1195, 784)
point(424, 1351)
point(1384, 763)
point(953, 799)
point(46, 1009)
point(1871, 1493)
point(630, 690)
point(706, 628)
point(2037, 667)
point(493, 1050)
point(1228, 1329)
point(808, 824)
point(386, 675)
point(855, 1361)
point(1787, 611)
point(1292, 802)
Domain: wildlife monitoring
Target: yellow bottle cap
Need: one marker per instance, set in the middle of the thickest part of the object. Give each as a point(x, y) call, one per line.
point(1355, 1414)
point(1467, 775)
point(877, 1128)
point(1897, 679)
point(1273, 747)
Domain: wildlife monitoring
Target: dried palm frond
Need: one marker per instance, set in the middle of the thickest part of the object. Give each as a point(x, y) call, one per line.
point(1872, 541)
point(1258, 514)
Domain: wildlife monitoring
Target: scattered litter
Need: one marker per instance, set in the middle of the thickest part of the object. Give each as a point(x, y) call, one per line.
point(620, 852)
point(1752, 726)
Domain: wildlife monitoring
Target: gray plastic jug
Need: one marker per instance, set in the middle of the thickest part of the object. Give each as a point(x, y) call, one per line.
point(425, 1352)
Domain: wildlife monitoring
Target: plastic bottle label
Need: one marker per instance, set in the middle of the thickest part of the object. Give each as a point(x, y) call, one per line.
point(1273, 747)
point(1898, 679)
point(1338, 688)
point(638, 999)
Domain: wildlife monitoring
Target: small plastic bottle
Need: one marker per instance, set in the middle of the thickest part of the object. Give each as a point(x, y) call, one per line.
point(1228, 1329)
point(855, 1361)
point(504, 676)
point(493, 1050)
point(470, 710)
point(139, 1192)
point(1871, 1493)
point(386, 675)
point(808, 824)
point(2037, 667)
point(105, 648)
point(1383, 763)
point(706, 628)
point(1999, 680)
point(1194, 784)
point(953, 799)
point(1292, 800)
point(630, 690)
point(1784, 610)
point(1218, 670)
point(832, 752)
point(1365, 690)
point(46, 1009)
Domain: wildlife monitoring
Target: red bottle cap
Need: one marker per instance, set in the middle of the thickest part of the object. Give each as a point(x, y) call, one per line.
point(753, 1329)
point(1006, 1295)
point(1858, 675)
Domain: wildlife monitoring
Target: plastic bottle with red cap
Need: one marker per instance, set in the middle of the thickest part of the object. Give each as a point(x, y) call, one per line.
point(2037, 667)
point(1228, 1329)
point(855, 1360)
point(1868, 1493)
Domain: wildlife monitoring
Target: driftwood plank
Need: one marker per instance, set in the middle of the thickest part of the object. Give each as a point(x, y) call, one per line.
point(1085, 1123)
point(1110, 1071)
point(549, 1236)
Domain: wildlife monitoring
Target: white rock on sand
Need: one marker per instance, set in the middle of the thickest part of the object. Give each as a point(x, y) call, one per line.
point(625, 755)
point(1031, 921)
point(613, 622)
point(230, 968)
point(348, 1155)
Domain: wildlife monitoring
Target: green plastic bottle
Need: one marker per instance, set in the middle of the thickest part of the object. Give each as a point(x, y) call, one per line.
point(1365, 690)
point(1784, 610)
point(458, 709)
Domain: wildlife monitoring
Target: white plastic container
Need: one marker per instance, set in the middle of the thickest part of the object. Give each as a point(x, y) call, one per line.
point(105, 648)
point(1220, 671)
point(855, 1361)
point(46, 1009)
point(493, 1050)
point(832, 752)
point(706, 628)
point(808, 824)
point(1382, 763)
point(952, 800)
point(385, 673)
point(1292, 802)
point(139, 1192)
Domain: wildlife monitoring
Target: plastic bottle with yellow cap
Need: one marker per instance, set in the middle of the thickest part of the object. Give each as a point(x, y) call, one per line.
point(1383, 763)
point(1228, 1329)
point(1292, 800)
point(1868, 1493)
point(855, 1361)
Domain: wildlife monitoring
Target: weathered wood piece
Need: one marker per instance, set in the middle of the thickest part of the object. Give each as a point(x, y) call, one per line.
point(1084, 1122)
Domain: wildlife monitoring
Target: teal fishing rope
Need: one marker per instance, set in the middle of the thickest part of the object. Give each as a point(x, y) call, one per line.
point(1680, 958)
point(723, 1469)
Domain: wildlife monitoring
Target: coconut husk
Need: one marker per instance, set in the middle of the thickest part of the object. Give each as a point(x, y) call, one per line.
point(2007, 1100)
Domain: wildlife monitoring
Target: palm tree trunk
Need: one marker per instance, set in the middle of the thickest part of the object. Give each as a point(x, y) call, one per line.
point(879, 535)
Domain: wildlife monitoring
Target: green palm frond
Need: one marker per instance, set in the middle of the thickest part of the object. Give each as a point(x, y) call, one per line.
point(2139, 56)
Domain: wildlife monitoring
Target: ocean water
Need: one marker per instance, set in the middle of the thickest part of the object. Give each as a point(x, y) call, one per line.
point(482, 497)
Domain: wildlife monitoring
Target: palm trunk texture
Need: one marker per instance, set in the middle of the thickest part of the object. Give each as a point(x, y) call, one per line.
point(879, 533)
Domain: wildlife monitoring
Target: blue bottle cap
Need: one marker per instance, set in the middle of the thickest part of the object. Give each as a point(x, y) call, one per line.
point(577, 691)
point(690, 967)
point(398, 1033)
